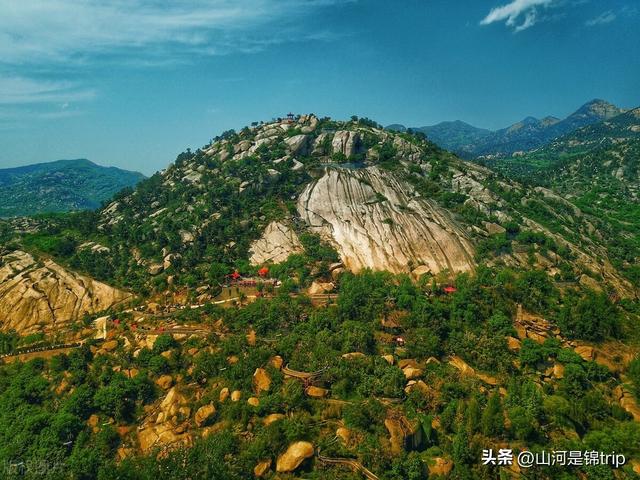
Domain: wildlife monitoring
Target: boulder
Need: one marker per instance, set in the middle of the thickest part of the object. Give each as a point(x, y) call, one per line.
point(403, 434)
point(236, 395)
point(299, 144)
point(155, 268)
point(461, 365)
point(558, 370)
point(204, 415)
point(513, 344)
point(494, 228)
point(110, 346)
point(164, 382)
point(316, 392)
point(344, 434)
point(251, 338)
point(262, 468)
point(253, 401)
point(261, 381)
point(389, 359)
point(224, 394)
point(320, 287)
point(297, 453)
point(273, 417)
point(352, 355)
point(585, 351)
point(408, 362)
point(441, 467)
point(411, 373)
point(276, 362)
point(346, 142)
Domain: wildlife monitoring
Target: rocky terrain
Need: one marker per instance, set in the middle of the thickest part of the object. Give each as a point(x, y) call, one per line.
point(36, 295)
point(376, 221)
point(308, 298)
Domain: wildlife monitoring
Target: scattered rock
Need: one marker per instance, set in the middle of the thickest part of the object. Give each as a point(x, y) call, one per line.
point(236, 395)
point(352, 355)
point(110, 346)
point(253, 401)
point(224, 394)
point(274, 417)
point(251, 338)
point(316, 392)
point(261, 380)
point(389, 359)
point(261, 468)
point(585, 351)
point(276, 362)
point(513, 344)
point(294, 456)
point(164, 382)
point(558, 371)
point(411, 373)
point(404, 434)
point(319, 287)
point(204, 415)
point(442, 467)
point(344, 434)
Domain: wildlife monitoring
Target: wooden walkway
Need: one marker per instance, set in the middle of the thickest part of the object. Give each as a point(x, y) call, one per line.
point(354, 465)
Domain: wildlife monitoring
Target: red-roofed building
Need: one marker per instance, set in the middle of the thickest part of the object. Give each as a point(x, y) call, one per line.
point(449, 289)
point(263, 271)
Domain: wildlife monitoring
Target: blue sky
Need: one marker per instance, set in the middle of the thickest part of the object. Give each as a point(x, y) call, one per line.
point(132, 83)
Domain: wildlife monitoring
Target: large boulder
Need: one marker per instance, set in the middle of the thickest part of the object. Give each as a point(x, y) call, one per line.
point(403, 434)
point(299, 144)
point(297, 453)
point(261, 380)
point(346, 142)
point(204, 415)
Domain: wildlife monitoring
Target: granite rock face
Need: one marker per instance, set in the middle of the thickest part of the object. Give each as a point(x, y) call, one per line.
point(35, 294)
point(276, 244)
point(377, 221)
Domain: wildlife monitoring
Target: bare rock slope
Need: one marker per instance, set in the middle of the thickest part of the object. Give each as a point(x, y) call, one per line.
point(34, 295)
point(377, 221)
point(276, 244)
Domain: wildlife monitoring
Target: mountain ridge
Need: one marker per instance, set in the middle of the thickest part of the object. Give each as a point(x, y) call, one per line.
point(59, 186)
point(529, 133)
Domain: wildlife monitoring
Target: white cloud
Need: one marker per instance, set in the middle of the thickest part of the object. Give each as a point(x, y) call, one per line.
point(16, 90)
point(602, 19)
point(34, 31)
point(512, 14)
point(61, 38)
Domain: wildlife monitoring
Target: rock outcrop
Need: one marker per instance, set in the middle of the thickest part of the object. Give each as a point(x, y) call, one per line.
point(36, 294)
point(377, 221)
point(277, 242)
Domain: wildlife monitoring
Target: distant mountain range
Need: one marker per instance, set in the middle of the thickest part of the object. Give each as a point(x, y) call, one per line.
point(60, 186)
point(610, 148)
point(530, 133)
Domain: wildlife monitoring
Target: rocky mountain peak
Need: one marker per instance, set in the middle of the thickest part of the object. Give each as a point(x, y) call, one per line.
point(598, 108)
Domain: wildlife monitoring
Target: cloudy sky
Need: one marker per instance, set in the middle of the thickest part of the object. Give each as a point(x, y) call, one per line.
point(132, 83)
